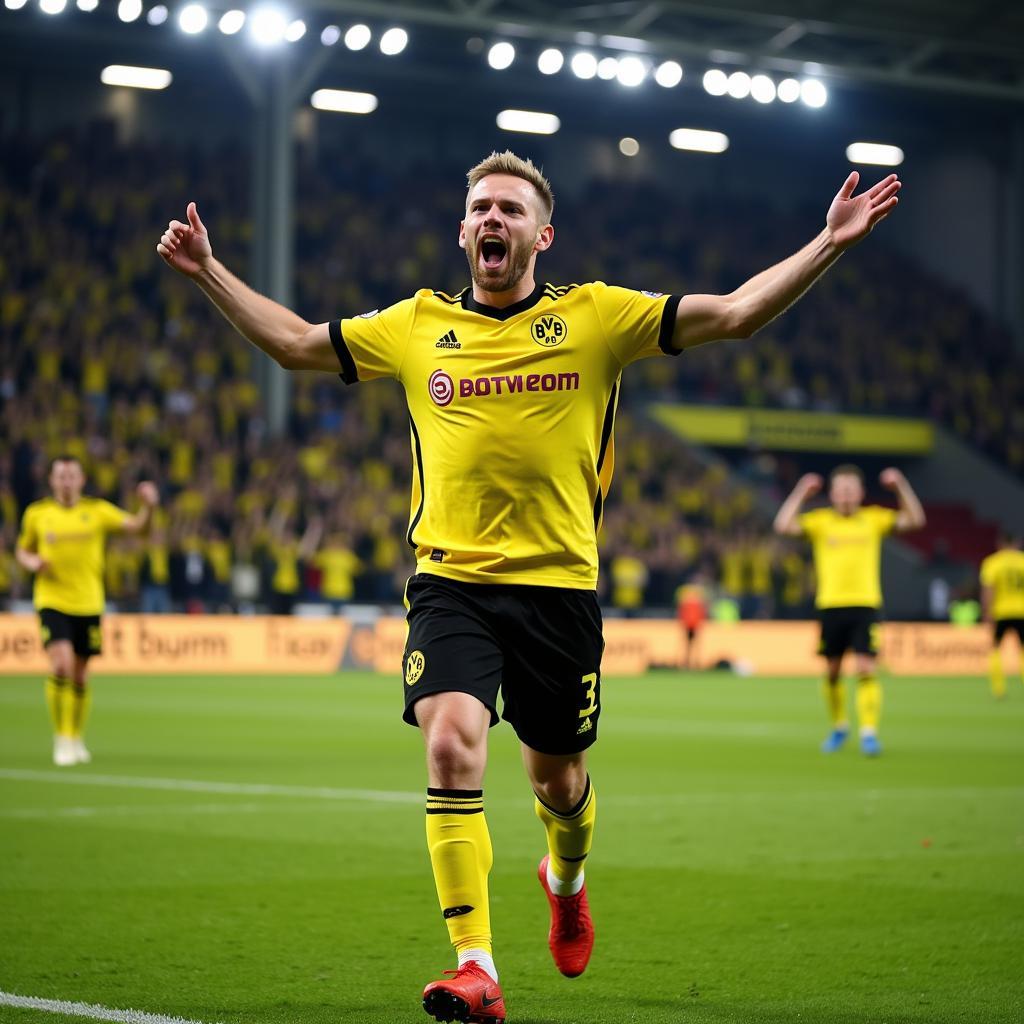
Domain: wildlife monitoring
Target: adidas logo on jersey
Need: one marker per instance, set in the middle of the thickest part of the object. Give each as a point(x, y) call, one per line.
point(448, 341)
point(585, 727)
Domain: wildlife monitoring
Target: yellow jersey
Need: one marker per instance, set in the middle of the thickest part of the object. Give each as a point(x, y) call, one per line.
point(848, 554)
point(511, 413)
point(339, 567)
point(1004, 573)
point(72, 541)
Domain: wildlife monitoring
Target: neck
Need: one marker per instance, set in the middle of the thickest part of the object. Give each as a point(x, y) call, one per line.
point(67, 502)
point(499, 300)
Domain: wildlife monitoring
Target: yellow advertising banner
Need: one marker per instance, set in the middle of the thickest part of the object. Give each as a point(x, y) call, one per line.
point(139, 644)
point(790, 430)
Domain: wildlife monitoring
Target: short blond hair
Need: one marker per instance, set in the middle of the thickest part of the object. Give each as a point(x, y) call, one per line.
point(509, 163)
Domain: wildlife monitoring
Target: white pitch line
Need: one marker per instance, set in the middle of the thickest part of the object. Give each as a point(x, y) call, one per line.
point(201, 786)
point(89, 1010)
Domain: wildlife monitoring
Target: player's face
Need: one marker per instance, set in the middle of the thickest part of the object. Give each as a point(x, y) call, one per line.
point(502, 231)
point(846, 493)
point(66, 482)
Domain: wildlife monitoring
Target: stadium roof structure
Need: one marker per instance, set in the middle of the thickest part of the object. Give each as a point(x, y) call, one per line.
point(967, 48)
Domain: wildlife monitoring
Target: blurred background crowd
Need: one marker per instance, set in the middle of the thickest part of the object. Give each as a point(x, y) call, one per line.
point(109, 356)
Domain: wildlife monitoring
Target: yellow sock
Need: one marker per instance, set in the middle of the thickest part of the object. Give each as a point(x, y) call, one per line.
point(56, 690)
point(80, 699)
point(869, 703)
point(461, 856)
point(996, 677)
point(835, 699)
point(569, 834)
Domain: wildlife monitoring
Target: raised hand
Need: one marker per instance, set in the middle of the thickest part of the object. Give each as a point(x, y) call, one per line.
point(148, 492)
point(186, 247)
point(851, 218)
point(891, 478)
point(808, 484)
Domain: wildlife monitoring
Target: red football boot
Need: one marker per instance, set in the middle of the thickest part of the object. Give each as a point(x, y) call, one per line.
point(571, 938)
point(471, 996)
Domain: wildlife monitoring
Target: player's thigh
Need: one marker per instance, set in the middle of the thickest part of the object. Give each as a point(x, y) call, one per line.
point(553, 644)
point(451, 646)
point(835, 634)
point(56, 629)
point(865, 633)
point(87, 636)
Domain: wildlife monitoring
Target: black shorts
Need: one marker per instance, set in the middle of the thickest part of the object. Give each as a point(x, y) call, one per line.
point(1003, 626)
point(82, 630)
point(540, 646)
point(848, 629)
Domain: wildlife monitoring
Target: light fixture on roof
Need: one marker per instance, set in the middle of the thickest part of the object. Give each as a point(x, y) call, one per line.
point(788, 90)
point(295, 31)
point(697, 140)
point(813, 92)
point(631, 72)
point(192, 19)
point(629, 146)
point(762, 89)
point(157, 15)
point(607, 68)
point(716, 82)
point(344, 101)
point(267, 26)
point(876, 153)
point(738, 85)
point(550, 61)
point(393, 41)
point(669, 74)
point(358, 37)
point(501, 55)
point(135, 78)
point(231, 22)
point(54, 6)
point(330, 35)
point(532, 121)
point(583, 64)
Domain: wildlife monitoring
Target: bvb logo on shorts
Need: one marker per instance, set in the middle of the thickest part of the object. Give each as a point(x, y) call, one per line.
point(414, 666)
point(548, 330)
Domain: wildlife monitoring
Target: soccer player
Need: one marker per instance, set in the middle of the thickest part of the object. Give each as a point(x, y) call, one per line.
point(512, 387)
point(1002, 603)
point(62, 542)
point(847, 542)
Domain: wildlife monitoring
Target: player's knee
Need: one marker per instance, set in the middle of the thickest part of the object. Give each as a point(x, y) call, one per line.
point(454, 755)
point(563, 790)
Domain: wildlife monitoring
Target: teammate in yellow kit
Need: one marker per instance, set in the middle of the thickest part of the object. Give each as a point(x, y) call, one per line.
point(512, 388)
point(847, 542)
point(62, 542)
point(1002, 602)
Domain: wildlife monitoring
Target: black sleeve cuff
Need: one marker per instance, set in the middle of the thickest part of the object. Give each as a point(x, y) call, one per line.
point(668, 326)
point(348, 373)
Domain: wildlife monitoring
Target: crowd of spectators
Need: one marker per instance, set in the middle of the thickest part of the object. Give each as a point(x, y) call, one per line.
point(111, 357)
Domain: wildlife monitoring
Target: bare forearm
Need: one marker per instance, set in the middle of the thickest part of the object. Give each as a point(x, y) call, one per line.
point(786, 517)
point(28, 560)
point(911, 510)
point(268, 325)
point(769, 294)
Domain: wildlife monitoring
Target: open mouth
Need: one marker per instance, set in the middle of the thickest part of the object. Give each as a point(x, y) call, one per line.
point(492, 253)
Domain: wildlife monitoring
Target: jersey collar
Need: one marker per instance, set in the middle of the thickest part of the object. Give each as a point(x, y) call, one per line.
point(468, 302)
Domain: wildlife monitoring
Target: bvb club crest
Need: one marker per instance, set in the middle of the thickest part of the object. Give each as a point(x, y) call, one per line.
point(414, 666)
point(548, 330)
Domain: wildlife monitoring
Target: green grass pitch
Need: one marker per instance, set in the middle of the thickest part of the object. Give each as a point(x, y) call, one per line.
point(738, 875)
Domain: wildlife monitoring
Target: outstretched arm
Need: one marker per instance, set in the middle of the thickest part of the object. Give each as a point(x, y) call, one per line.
point(911, 513)
point(139, 522)
point(702, 318)
point(283, 335)
point(787, 519)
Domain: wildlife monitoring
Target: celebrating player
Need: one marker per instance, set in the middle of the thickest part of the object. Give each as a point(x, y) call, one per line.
point(512, 387)
point(62, 542)
point(1002, 602)
point(847, 540)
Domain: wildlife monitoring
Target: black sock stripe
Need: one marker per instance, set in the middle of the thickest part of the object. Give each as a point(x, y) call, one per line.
point(577, 810)
point(455, 810)
point(456, 794)
point(574, 860)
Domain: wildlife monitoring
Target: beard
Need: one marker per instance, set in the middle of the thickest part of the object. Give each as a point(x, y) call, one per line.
point(517, 262)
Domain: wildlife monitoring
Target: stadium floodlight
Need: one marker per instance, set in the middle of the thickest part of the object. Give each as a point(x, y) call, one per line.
point(697, 140)
point(550, 61)
point(231, 22)
point(813, 92)
point(343, 101)
point(629, 146)
point(192, 19)
point(14, 5)
point(762, 88)
point(532, 121)
point(716, 82)
point(129, 10)
point(738, 86)
point(330, 35)
point(55, 6)
point(85, 5)
point(874, 153)
point(135, 78)
point(583, 64)
point(358, 37)
point(607, 68)
point(393, 41)
point(295, 31)
point(669, 74)
point(631, 72)
point(267, 25)
point(156, 15)
point(501, 55)
point(788, 90)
